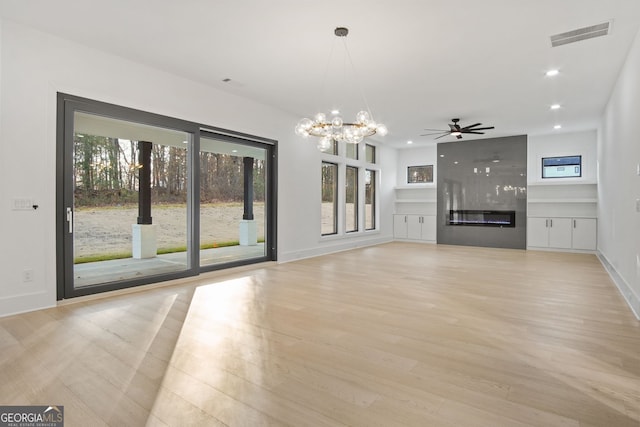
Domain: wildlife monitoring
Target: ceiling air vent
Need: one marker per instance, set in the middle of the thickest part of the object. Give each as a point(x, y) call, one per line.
point(580, 34)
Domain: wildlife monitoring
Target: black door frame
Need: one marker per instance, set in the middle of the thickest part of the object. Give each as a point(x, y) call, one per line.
point(67, 105)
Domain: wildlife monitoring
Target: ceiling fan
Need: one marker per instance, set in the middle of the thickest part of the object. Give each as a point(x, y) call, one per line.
point(457, 131)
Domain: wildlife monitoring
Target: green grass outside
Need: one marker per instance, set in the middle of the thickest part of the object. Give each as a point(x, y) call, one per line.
point(161, 251)
point(156, 206)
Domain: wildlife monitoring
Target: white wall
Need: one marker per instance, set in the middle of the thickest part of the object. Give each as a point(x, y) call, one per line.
point(416, 157)
point(35, 66)
point(562, 144)
point(619, 181)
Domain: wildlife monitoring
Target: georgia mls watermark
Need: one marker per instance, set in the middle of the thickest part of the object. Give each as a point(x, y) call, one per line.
point(32, 416)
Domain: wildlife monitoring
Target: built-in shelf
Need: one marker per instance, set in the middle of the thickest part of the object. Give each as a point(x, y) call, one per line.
point(415, 201)
point(415, 186)
point(530, 200)
point(562, 199)
point(562, 181)
point(419, 199)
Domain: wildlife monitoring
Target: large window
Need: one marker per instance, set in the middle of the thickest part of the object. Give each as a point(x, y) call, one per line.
point(129, 207)
point(143, 198)
point(352, 151)
point(329, 205)
point(370, 200)
point(349, 191)
point(232, 200)
point(370, 153)
point(331, 148)
point(351, 199)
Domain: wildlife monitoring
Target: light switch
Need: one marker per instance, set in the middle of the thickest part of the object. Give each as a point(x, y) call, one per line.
point(22, 204)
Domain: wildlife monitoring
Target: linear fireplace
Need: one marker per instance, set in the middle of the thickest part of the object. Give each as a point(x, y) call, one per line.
point(482, 218)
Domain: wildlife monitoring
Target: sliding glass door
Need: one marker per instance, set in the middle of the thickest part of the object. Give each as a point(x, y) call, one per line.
point(232, 200)
point(144, 198)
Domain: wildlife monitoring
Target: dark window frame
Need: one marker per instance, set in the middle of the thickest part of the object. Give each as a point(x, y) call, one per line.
point(67, 105)
point(369, 148)
point(355, 201)
point(372, 197)
point(335, 196)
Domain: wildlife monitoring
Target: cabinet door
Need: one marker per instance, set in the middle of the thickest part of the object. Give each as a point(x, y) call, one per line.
point(560, 233)
point(538, 232)
point(400, 226)
point(414, 227)
point(429, 228)
point(584, 233)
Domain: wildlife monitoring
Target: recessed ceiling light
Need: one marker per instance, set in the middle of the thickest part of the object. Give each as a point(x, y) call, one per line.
point(234, 151)
point(456, 162)
point(409, 142)
point(441, 155)
point(552, 73)
point(334, 112)
point(557, 127)
point(495, 161)
point(555, 106)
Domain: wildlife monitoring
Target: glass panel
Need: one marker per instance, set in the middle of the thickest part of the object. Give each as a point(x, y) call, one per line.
point(229, 230)
point(352, 151)
point(370, 153)
point(113, 237)
point(370, 200)
point(351, 199)
point(329, 213)
point(331, 149)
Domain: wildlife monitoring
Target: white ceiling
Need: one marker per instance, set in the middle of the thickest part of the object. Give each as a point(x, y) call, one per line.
point(418, 62)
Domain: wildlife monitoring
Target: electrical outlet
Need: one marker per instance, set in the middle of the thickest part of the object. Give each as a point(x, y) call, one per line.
point(27, 275)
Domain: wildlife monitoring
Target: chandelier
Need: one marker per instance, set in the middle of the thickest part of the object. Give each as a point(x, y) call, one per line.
point(335, 128)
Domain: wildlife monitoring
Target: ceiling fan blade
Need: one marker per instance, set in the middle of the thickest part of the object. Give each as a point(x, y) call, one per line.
point(472, 126)
point(474, 133)
point(442, 136)
point(446, 132)
point(438, 130)
point(485, 128)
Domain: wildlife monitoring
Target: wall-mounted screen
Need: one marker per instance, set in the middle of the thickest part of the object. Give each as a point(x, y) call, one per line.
point(562, 167)
point(419, 174)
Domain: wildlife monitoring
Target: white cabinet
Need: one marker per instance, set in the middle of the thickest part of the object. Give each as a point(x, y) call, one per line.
point(415, 227)
point(538, 232)
point(562, 233)
point(400, 226)
point(562, 215)
point(585, 234)
point(415, 213)
point(421, 227)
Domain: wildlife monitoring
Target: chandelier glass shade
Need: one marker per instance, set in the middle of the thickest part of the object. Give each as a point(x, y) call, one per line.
point(333, 128)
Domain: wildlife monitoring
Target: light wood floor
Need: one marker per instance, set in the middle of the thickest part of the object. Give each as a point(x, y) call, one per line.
point(391, 335)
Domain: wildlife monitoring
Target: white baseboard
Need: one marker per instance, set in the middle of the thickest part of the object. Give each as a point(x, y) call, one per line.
point(335, 246)
point(627, 292)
